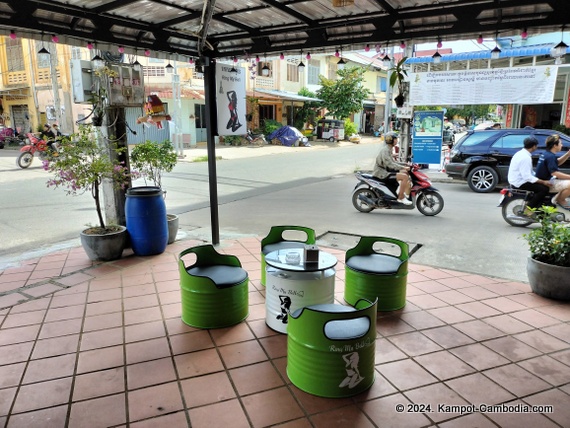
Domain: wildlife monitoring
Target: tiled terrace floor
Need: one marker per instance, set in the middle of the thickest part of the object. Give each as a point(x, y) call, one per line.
point(104, 346)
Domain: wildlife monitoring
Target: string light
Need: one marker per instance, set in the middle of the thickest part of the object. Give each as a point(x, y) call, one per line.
point(121, 49)
point(439, 44)
point(337, 54)
point(282, 56)
point(147, 52)
point(524, 34)
point(54, 38)
point(90, 46)
point(13, 35)
point(367, 48)
point(308, 55)
point(480, 39)
point(257, 59)
point(403, 45)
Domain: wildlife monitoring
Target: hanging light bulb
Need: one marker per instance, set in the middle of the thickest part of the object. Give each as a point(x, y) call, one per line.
point(55, 38)
point(439, 44)
point(403, 45)
point(191, 61)
point(235, 60)
point(524, 34)
point(308, 55)
point(367, 48)
point(13, 35)
point(282, 56)
point(257, 59)
point(480, 39)
point(301, 65)
point(121, 49)
point(378, 47)
point(89, 45)
point(337, 54)
point(147, 52)
point(436, 57)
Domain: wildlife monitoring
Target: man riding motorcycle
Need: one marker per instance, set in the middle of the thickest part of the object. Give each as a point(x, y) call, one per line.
point(386, 168)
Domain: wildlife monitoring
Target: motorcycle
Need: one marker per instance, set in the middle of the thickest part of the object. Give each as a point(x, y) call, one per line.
point(371, 193)
point(34, 145)
point(255, 138)
point(513, 203)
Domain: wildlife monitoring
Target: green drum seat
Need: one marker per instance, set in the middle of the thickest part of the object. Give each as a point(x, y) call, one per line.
point(371, 274)
point(331, 349)
point(275, 241)
point(214, 289)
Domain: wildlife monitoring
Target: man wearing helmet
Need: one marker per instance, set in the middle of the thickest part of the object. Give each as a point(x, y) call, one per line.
point(386, 167)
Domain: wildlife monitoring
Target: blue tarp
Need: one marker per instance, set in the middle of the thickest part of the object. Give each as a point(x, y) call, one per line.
point(286, 134)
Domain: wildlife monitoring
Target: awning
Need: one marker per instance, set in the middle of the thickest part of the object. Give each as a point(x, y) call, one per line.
point(527, 51)
point(22, 92)
point(282, 95)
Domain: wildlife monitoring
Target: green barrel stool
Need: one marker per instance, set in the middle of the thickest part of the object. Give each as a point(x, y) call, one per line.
point(275, 241)
point(214, 289)
point(331, 349)
point(371, 274)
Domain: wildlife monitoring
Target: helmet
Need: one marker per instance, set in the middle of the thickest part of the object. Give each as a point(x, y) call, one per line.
point(389, 137)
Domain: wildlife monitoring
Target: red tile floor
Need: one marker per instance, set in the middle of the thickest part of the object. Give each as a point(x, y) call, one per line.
point(103, 345)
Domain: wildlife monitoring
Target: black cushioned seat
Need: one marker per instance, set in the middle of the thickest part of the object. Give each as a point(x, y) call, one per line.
point(341, 329)
point(375, 263)
point(223, 276)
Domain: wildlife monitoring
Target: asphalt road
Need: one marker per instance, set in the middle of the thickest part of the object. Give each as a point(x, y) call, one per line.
point(311, 187)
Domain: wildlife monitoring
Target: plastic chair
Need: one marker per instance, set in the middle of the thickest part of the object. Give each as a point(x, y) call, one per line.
point(214, 289)
point(331, 349)
point(275, 241)
point(371, 274)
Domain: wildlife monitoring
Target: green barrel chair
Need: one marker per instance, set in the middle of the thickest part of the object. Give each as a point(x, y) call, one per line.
point(214, 289)
point(275, 241)
point(371, 274)
point(331, 349)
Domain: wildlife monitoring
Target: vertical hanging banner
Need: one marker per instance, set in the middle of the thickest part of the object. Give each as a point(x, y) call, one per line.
point(230, 98)
point(427, 136)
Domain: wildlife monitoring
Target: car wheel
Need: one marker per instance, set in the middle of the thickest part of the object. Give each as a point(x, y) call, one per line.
point(483, 179)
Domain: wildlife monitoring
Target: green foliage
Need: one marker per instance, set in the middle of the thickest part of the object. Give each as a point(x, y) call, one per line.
point(561, 128)
point(82, 164)
point(398, 74)
point(270, 125)
point(152, 158)
point(233, 140)
point(550, 243)
point(309, 111)
point(344, 96)
point(349, 128)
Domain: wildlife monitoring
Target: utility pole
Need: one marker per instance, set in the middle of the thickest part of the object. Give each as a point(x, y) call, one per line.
point(176, 116)
point(54, 83)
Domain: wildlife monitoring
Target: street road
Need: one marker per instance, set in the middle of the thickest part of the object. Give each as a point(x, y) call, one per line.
point(311, 187)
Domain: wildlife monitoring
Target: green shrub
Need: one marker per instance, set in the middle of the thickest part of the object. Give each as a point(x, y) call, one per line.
point(562, 128)
point(270, 125)
point(349, 128)
point(233, 140)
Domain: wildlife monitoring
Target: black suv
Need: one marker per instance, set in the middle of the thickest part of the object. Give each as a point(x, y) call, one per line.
point(483, 157)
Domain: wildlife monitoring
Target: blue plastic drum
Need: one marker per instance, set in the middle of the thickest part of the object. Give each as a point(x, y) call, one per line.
point(145, 214)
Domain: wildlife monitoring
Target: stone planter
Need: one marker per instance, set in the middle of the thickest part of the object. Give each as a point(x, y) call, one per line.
point(173, 222)
point(104, 247)
point(550, 281)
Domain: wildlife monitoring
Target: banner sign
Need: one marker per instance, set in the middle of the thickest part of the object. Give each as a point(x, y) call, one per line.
point(516, 85)
point(230, 99)
point(427, 136)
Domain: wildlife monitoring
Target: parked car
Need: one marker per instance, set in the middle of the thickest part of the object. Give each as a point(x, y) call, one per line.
point(483, 157)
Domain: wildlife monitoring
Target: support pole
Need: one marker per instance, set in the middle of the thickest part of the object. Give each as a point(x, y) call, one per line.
point(212, 126)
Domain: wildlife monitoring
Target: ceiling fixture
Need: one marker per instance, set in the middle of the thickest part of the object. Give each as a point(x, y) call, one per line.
point(386, 61)
point(337, 53)
point(43, 53)
point(257, 59)
point(13, 35)
point(496, 52)
point(55, 38)
point(169, 68)
point(199, 68)
point(367, 48)
point(282, 56)
point(121, 49)
point(265, 68)
point(403, 45)
point(560, 49)
point(308, 56)
point(147, 52)
point(137, 66)
point(97, 61)
point(436, 57)
point(480, 39)
point(191, 61)
point(524, 34)
point(341, 64)
point(439, 44)
point(89, 45)
point(301, 65)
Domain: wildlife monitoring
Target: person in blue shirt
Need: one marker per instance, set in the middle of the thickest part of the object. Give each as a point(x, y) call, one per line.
point(547, 168)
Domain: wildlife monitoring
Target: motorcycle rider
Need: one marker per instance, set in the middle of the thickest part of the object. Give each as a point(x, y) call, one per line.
point(386, 168)
point(547, 169)
point(521, 175)
point(48, 135)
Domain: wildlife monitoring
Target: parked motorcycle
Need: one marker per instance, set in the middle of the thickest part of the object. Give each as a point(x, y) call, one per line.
point(255, 138)
point(33, 145)
point(371, 193)
point(513, 203)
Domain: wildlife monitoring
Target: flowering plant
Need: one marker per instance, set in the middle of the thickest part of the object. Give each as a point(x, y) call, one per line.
point(82, 164)
point(549, 243)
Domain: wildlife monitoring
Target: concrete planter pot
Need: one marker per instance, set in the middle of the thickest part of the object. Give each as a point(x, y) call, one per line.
point(104, 247)
point(550, 281)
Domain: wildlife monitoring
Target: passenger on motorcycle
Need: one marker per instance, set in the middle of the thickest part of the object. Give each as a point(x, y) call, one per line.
point(547, 169)
point(386, 168)
point(521, 175)
point(48, 135)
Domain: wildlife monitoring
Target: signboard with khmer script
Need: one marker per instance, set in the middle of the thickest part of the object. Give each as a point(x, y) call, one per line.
point(515, 85)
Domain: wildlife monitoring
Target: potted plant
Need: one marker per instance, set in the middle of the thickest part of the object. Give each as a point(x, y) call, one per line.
point(80, 166)
point(151, 159)
point(548, 267)
point(398, 76)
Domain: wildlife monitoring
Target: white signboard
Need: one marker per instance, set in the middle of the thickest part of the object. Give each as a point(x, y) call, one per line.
point(230, 99)
point(515, 85)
